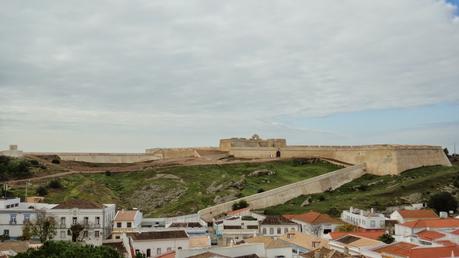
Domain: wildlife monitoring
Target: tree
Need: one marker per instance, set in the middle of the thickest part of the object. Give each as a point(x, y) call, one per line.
point(442, 201)
point(386, 238)
point(27, 231)
point(446, 151)
point(333, 212)
point(44, 228)
point(57, 249)
point(240, 205)
point(76, 230)
point(55, 183)
point(41, 191)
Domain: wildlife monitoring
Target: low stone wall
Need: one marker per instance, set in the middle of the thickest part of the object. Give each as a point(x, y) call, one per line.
point(101, 157)
point(285, 193)
point(379, 159)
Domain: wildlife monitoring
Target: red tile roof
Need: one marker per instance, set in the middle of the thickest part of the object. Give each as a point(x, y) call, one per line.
point(418, 214)
point(434, 252)
point(433, 223)
point(313, 217)
point(276, 220)
point(430, 235)
point(368, 234)
point(398, 249)
point(123, 215)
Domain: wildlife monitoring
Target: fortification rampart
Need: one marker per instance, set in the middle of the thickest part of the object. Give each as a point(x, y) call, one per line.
point(254, 141)
point(379, 159)
point(285, 193)
point(99, 157)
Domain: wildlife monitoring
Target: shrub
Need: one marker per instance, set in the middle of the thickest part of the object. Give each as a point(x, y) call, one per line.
point(442, 201)
point(56, 161)
point(240, 205)
point(333, 212)
point(41, 191)
point(69, 249)
point(260, 190)
point(55, 184)
point(386, 238)
point(108, 173)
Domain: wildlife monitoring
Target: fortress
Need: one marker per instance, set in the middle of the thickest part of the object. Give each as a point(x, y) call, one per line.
point(377, 159)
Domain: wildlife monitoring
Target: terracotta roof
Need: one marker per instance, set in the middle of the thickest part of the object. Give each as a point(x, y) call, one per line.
point(158, 235)
point(398, 249)
point(268, 242)
point(455, 232)
point(80, 204)
point(357, 241)
point(433, 223)
point(313, 217)
point(123, 215)
point(445, 243)
point(368, 234)
point(430, 235)
point(418, 214)
point(434, 252)
point(306, 241)
point(276, 220)
point(208, 255)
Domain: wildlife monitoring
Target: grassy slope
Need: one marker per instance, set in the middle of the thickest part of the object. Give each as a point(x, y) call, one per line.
point(378, 191)
point(186, 189)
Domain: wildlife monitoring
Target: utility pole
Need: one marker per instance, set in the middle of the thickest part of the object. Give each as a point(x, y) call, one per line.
point(26, 188)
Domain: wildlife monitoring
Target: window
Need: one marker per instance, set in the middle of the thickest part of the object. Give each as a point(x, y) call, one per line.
point(372, 223)
point(62, 221)
point(285, 230)
point(169, 249)
point(148, 252)
point(158, 250)
point(129, 224)
point(85, 233)
point(74, 220)
point(292, 229)
point(26, 218)
point(96, 233)
point(63, 234)
point(264, 231)
point(118, 224)
point(86, 220)
point(279, 231)
point(97, 220)
point(69, 233)
point(13, 219)
point(271, 231)
point(117, 237)
point(6, 233)
point(180, 248)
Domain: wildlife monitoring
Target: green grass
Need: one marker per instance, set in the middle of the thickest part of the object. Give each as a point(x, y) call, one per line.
point(183, 190)
point(378, 191)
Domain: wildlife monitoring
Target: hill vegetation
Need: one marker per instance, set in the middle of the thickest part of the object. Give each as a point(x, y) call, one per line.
point(370, 191)
point(167, 191)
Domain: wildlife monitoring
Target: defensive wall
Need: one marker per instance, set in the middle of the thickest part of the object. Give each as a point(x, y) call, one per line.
point(99, 157)
point(285, 193)
point(254, 142)
point(379, 159)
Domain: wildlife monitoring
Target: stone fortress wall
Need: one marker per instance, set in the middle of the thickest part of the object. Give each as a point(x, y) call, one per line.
point(254, 142)
point(285, 193)
point(379, 159)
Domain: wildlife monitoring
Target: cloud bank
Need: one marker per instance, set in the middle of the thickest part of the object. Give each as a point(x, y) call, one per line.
point(124, 75)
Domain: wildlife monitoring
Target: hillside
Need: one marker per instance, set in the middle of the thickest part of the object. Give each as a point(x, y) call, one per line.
point(166, 191)
point(412, 186)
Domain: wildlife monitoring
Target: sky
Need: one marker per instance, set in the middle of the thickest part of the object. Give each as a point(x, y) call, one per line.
point(123, 76)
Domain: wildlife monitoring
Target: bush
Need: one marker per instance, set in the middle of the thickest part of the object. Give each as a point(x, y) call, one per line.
point(240, 205)
point(321, 198)
point(386, 238)
point(108, 173)
point(41, 191)
point(14, 168)
point(56, 249)
point(260, 190)
point(334, 212)
point(443, 201)
point(55, 184)
point(56, 161)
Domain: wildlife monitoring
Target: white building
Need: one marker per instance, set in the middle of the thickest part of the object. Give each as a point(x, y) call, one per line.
point(315, 223)
point(126, 221)
point(233, 229)
point(155, 243)
point(364, 219)
point(403, 216)
point(275, 226)
point(97, 220)
point(14, 214)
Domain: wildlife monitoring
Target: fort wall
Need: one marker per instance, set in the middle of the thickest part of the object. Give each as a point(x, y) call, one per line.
point(254, 142)
point(285, 193)
point(379, 159)
point(100, 157)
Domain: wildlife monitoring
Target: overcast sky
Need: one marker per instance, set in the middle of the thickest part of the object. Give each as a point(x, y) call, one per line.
point(128, 75)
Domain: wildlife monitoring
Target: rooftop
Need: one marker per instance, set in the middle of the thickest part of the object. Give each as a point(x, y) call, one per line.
point(430, 235)
point(80, 204)
point(399, 249)
point(267, 241)
point(276, 220)
point(433, 223)
point(124, 215)
point(313, 217)
point(368, 234)
point(418, 214)
point(153, 235)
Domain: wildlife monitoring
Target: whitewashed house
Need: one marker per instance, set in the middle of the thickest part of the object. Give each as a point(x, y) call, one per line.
point(14, 214)
point(315, 223)
point(364, 219)
point(403, 216)
point(231, 230)
point(275, 226)
point(97, 220)
point(155, 243)
point(126, 221)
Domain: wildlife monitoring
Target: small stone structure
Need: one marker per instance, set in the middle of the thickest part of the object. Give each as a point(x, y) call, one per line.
point(12, 152)
point(254, 142)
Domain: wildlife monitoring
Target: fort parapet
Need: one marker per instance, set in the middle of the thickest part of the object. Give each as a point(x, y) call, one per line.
point(379, 159)
point(254, 142)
